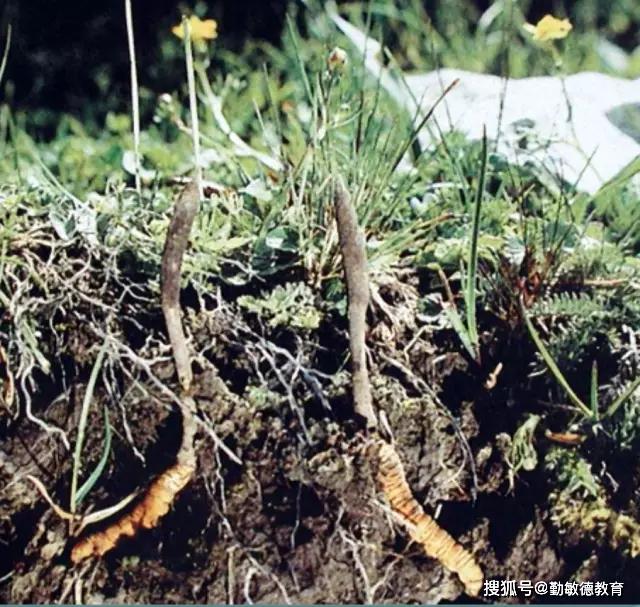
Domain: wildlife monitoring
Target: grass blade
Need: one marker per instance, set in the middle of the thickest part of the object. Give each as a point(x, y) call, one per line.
point(594, 389)
point(82, 425)
point(418, 128)
point(458, 326)
point(5, 54)
point(470, 298)
point(551, 364)
point(135, 95)
point(303, 70)
point(623, 398)
point(622, 177)
point(193, 104)
point(95, 475)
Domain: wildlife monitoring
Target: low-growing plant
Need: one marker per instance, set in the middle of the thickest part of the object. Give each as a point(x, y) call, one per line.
point(291, 305)
point(591, 412)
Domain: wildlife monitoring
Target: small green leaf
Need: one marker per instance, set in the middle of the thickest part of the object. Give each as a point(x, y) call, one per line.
point(63, 223)
point(95, 475)
point(458, 326)
point(282, 239)
point(623, 398)
point(523, 454)
point(258, 189)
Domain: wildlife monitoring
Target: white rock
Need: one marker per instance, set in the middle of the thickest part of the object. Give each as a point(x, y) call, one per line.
point(560, 125)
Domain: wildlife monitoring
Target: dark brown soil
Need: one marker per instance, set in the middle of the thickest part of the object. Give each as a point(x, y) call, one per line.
point(300, 519)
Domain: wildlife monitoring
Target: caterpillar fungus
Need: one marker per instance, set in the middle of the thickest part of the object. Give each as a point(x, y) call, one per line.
point(164, 489)
point(157, 499)
point(146, 514)
point(436, 542)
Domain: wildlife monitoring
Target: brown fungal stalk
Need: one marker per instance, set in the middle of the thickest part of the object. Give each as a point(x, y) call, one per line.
point(354, 261)
point(159, 496)
point(175, 246)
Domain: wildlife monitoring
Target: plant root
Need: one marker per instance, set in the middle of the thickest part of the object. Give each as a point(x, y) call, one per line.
point(7, 383)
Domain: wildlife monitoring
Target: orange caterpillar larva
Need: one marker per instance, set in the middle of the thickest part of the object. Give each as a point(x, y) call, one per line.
point(437, 543)
point(146, 514)
point(565, 438)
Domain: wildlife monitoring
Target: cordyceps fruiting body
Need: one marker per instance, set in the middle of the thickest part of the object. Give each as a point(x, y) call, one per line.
point(354, 260)
point(437, 543)
point(160, 495)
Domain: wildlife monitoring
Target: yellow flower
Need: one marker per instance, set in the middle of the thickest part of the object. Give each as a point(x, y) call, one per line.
point(200, 30)
point(337, 59)
point(549, 28)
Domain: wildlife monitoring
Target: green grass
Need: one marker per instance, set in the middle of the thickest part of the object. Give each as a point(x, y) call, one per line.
point(271, 225)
